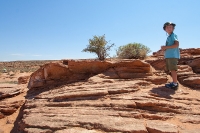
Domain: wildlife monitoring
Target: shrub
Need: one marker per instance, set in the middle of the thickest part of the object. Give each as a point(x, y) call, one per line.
point(133, 51)
point(99, 46)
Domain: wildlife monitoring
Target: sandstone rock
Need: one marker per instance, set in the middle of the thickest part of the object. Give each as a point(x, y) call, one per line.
point(1, 131)
point(157, 79)
point(36, 130)
point(195, 64)
point(158, 64)
point(37, 79)
point(88, 66)
point(191, 51)
point(183, 52)
point(161, 127)
point(9, 90)
point(23, 79)
point(110, 96)
point(97, 106)
point(56, 73)
point(111, 74)
point(184, 68)
point(158, 53)
point(77, 130)
point(196, 130)
point(8, 108)
point(194, 119)
point(1, 115)
point(193, 82)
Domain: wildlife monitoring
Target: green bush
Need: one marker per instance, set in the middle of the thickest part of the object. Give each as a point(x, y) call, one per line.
point(99, 46)
point(133, 51)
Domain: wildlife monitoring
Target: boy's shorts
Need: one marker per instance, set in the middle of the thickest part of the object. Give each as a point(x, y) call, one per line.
point(171, 64)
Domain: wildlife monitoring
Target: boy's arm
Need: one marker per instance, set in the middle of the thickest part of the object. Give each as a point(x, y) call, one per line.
point(175, 45)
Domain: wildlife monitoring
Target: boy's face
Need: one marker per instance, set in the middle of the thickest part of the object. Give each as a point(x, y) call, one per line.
point(169, 29)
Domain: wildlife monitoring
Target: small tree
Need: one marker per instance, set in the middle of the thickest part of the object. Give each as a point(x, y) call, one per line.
point(99, 46)
point(133, 51)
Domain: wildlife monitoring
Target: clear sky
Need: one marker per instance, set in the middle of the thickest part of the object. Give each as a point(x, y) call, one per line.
point(60, 29)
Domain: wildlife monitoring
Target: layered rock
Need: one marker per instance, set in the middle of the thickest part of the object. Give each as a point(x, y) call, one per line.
point(7, 106)
point(117, 96)
point(102, 104)
point(90, 96)
point(74, 70)
point(9, 90)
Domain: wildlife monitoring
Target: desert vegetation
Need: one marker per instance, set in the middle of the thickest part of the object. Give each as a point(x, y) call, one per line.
point(133, 51)
point(100, 46)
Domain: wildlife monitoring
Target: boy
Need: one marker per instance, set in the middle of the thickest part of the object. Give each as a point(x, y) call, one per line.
point(172, 53)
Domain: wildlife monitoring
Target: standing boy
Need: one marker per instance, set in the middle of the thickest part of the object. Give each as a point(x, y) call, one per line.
point(172, 53)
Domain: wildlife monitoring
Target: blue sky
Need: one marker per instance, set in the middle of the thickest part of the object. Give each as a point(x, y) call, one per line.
point(60, 29)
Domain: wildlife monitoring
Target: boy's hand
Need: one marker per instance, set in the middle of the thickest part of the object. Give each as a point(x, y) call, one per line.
point(163, 48)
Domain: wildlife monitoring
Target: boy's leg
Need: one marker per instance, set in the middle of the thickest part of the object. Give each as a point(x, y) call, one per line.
point(174, 76)
point(172, 66)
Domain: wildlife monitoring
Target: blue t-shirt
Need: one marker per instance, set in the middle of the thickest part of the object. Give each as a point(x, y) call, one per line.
point(172, 52)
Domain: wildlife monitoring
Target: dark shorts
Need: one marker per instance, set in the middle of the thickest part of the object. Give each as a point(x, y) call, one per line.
point(171, 64)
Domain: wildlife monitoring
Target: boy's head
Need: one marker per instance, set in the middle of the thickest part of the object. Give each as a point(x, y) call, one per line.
point(169, 27)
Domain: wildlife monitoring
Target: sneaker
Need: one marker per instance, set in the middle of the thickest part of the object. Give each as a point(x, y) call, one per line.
point(172, 86)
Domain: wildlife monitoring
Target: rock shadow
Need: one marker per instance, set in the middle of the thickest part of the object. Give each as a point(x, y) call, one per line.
point(16, 127)
point(162, 91)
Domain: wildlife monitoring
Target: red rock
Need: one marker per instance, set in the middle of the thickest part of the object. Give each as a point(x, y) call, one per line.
point(157, 79)
point(1, 115)
point(37, 79)
point(97, 106)
point(9, 90)
point(158, 64)
point(8, 108)
point(56, 71)
point(111, 74)
point(161, 127)
point(88, 66)
point(1, 131)
point(195, 64)
point(159, 53)
point(77, 130)
point(191, 51)
point(193, 82)
point(183, 52)
point(114, 96)
point(23, 79)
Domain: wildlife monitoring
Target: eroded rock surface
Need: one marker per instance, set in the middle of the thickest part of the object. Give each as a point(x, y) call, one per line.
point(7, 106)
point(125, 96)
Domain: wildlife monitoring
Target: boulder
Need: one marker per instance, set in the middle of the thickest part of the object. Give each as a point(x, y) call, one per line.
point(23, 79)
point(195, 64)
